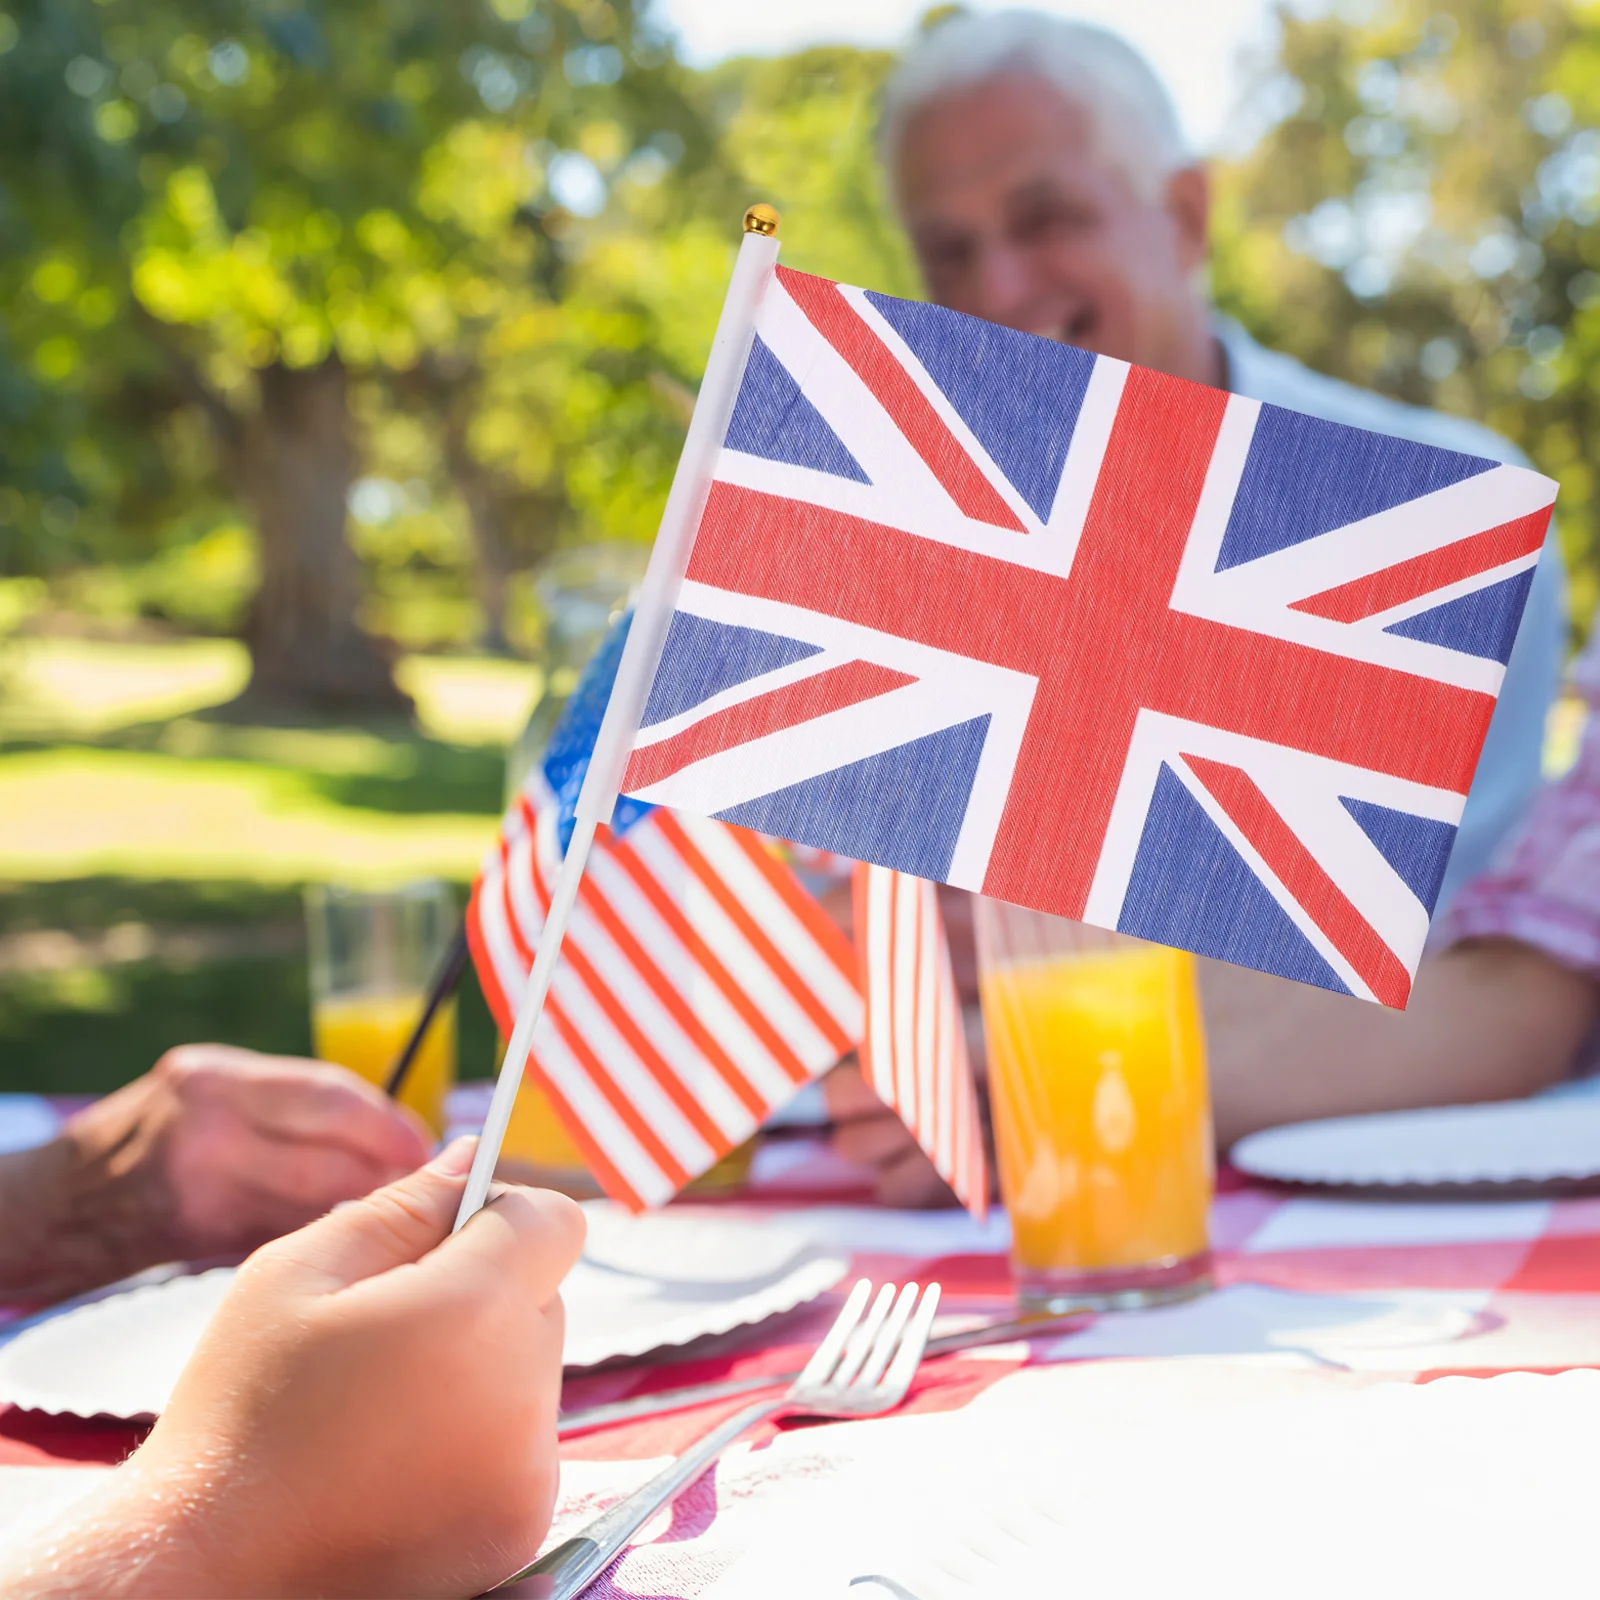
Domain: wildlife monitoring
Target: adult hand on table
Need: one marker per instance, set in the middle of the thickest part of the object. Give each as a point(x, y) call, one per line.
point(212, 1152)
point(372, 1411)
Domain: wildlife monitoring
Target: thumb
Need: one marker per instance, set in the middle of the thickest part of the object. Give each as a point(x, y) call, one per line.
point(388, 1228)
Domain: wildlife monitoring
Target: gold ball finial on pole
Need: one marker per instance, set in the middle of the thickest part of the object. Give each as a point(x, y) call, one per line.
point(761, 218)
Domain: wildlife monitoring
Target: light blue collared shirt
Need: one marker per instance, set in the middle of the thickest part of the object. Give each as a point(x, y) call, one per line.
point(1509, 769)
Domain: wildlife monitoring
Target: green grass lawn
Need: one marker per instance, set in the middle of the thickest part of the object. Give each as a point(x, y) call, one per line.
point(153, 854)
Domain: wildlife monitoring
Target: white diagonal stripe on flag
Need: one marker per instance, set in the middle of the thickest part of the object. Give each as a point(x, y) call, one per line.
point(691, 976)
point(591, 1111)
point(642, 1089)
point(780, 921)
point(730, 946)
point(682, 1064)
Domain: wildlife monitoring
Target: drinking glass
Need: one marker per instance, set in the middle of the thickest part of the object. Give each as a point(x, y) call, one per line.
point(373, 953)
point(1097, 1081)
point(582, 592)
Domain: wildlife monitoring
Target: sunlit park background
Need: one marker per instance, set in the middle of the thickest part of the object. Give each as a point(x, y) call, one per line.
point(333, 328)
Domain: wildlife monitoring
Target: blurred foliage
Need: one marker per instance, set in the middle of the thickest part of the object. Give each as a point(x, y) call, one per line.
point(1422, 217)
point(799, 132)
point(197, 193)
point(86, 1029)
point(201, 584)
point(187, 922)
point(511, 222)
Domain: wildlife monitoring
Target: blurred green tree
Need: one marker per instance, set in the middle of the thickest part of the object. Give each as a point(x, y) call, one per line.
point(243, 211)
point(800, 131)
point(645, 280)
point(569, 414)
point(1420, 218)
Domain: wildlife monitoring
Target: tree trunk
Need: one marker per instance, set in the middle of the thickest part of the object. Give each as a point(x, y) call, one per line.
point(490, 574)
point(296, 462)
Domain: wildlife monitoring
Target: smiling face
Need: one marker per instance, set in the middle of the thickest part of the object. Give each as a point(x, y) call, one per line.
point(1015, 217)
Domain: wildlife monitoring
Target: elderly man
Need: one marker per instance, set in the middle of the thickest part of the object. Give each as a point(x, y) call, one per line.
point(1041, 174)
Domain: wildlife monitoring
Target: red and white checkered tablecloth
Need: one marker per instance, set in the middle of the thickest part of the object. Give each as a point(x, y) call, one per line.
point(1328, 1290)
point(1324, 1290)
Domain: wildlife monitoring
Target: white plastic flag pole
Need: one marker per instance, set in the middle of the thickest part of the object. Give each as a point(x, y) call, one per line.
point(691, 483)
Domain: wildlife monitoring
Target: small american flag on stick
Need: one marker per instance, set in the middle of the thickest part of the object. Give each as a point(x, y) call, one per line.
point(699, 987)
point(914, 1053)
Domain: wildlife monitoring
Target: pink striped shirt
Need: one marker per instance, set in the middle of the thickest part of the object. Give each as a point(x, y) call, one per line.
point(1543, 886)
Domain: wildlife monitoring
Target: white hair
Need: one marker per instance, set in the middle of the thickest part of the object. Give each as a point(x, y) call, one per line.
point(1134, 124)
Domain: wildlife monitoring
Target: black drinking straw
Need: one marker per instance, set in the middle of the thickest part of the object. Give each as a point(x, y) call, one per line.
point(446, 978)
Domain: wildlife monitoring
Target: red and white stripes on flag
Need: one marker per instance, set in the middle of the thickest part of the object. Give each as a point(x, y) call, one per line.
point(699, 986)
point(914, 1054)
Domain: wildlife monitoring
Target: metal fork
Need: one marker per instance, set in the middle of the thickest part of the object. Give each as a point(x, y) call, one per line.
point(863, 1367)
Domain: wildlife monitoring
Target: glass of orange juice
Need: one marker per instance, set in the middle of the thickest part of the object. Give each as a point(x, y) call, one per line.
point(1102, 1119)
point(373, 953)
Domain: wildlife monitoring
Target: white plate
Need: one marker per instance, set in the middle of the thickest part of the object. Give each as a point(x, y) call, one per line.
point(26, 1120)
point(692, 1245)
point(670, 1277)
point(120, 1357)
point(1515, 1142)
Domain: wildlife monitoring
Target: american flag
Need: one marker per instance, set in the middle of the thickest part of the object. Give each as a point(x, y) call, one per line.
point(994, 611)
point(700, 983)
point(914, 1054)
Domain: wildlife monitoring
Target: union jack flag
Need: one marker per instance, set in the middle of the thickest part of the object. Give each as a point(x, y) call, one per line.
point(991, 610)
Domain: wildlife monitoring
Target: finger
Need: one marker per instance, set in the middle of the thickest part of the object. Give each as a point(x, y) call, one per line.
point(530, 1236)
point(849, 1095)
point(314, 1102)
point(872, 1141)
point(308, 1177)
point(912, 1181)
point(260, 1188)
point(392, 1226)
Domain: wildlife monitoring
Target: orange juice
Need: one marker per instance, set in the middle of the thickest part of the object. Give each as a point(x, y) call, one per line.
point(1102, 1120)
point(367, 1031)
